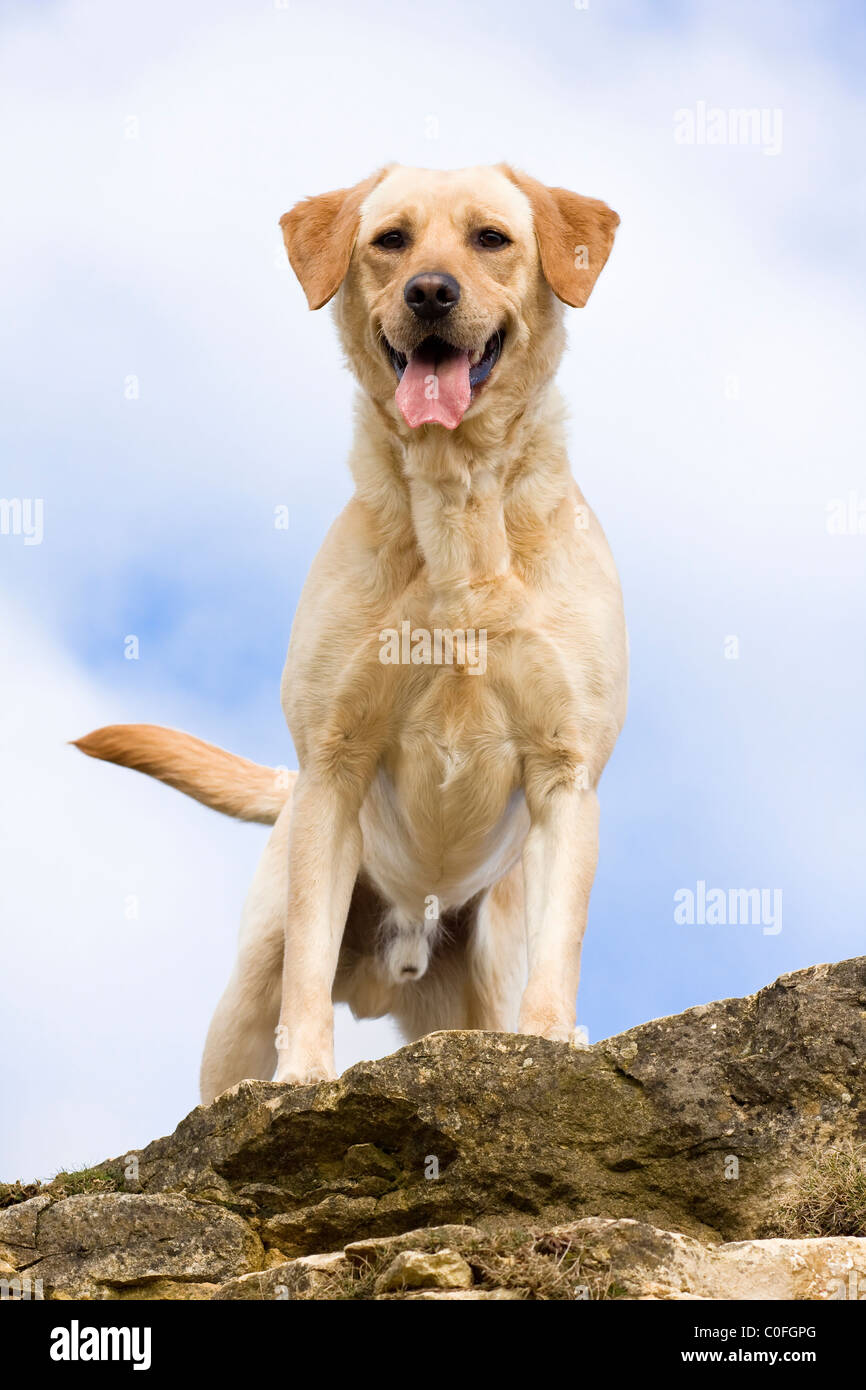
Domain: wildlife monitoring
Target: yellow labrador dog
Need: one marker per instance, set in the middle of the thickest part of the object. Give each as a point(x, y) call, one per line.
point(456, 675)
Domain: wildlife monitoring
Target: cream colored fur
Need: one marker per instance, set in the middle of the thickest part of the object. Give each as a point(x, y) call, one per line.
point(442, 822)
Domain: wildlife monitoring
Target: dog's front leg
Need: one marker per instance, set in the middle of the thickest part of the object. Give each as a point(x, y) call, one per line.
point(559, 861)
point(324, 858)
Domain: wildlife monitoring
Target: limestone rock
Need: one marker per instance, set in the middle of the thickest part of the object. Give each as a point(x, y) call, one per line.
point(639, 1261)
point(18, 1226)
point(657, 1161)
point(361, 1252)
point(310, 1276)
point(423, 1269)
point(462, 1295)
point(105, 1245)
point(649, 1124)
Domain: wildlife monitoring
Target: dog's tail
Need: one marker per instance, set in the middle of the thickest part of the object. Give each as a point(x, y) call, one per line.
point(219, 779)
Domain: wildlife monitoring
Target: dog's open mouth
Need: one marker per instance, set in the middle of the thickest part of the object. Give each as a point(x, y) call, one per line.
point(437, 381)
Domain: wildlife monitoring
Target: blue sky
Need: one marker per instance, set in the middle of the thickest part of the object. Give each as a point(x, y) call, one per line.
point(715, 388)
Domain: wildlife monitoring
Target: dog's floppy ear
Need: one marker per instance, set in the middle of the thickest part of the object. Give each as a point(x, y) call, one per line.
point(320, 233)
point(574, 234)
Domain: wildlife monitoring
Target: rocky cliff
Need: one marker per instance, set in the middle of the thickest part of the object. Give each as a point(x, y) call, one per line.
point(717, 1154)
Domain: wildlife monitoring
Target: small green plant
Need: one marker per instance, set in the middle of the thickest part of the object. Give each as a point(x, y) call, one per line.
point(830, 1198)
point(70, 1184)
point(66, 1183)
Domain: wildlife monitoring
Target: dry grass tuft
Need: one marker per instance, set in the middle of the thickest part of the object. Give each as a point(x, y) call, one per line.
point(519, 1260)
point(830, 1199)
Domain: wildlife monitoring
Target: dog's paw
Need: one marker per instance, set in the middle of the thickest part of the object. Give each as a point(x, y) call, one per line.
point(554, 1031)
point(544, 1025)
point(309, 1074)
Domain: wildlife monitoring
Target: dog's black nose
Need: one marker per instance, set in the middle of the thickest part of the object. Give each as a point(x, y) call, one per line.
point(431, 294)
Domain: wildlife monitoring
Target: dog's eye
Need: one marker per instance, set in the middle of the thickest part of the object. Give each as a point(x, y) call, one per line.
point(491, 240)
point(391, 241)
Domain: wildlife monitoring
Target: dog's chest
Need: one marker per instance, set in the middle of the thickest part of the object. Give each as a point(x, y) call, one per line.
point(447, 715)
point(442, 817)
point(445, 801)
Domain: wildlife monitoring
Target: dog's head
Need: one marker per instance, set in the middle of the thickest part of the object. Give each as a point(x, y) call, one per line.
point(449, 281)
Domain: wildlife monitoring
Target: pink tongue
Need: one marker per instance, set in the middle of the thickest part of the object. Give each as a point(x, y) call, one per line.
point(434, 393)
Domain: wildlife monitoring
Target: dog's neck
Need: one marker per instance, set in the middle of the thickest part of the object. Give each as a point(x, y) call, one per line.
point(475, 504)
